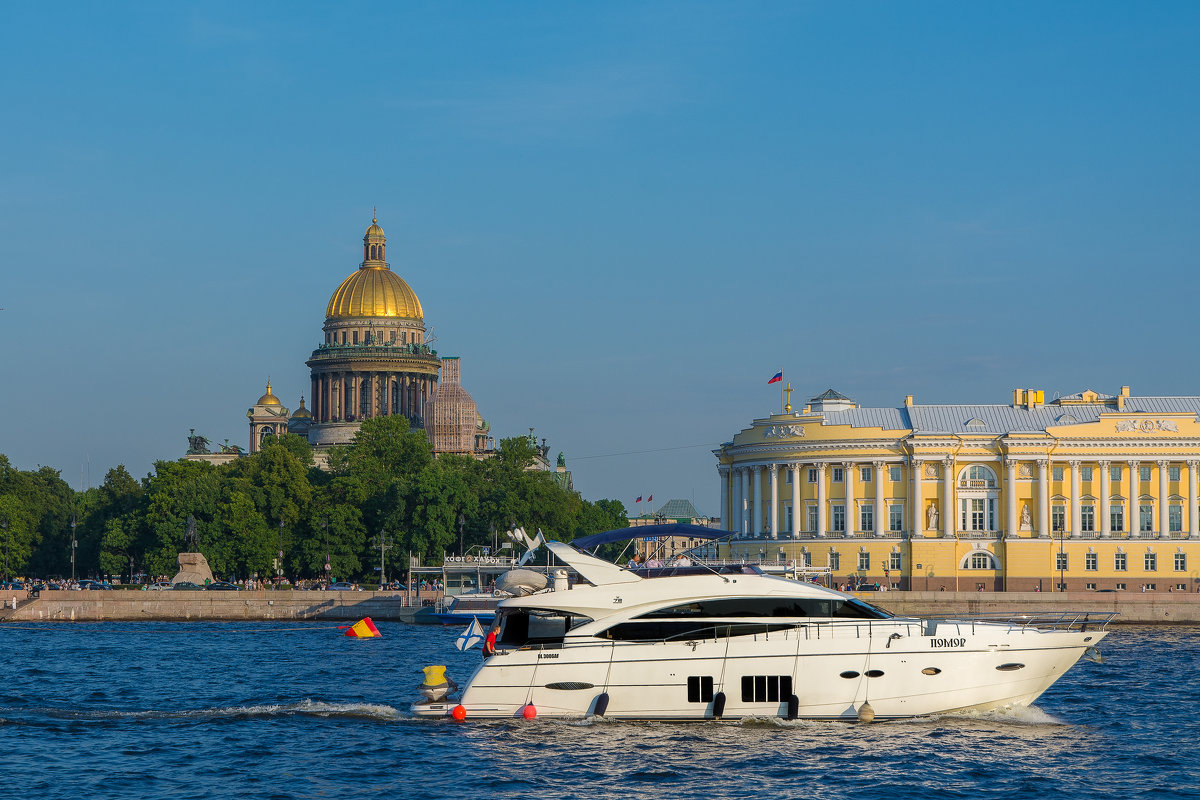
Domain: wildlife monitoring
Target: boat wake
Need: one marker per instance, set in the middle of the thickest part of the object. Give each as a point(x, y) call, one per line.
point(302, 708)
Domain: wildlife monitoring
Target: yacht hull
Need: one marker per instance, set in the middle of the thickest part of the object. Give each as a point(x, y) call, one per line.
point(901, 667)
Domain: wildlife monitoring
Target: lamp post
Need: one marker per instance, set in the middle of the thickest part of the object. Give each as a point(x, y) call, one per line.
point(279, 558)
point(1062, 563)
point(4, 527)
point(74, 544)
point(384, 544)
point(328, 565)
point(461, 522)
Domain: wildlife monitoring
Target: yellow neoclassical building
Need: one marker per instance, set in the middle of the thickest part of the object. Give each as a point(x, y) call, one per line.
point(1087, 491)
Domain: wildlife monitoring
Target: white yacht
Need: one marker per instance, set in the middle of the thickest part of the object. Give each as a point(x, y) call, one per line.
point(697, 643)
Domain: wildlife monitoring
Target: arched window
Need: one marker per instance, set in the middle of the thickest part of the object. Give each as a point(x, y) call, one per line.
point(979, 559)
point(977, 476)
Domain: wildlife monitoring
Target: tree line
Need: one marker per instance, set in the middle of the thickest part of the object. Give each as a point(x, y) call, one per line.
point(385, 483)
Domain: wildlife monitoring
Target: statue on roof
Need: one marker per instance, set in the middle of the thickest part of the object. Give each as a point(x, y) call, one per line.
point(562, 460)
point(197, 445)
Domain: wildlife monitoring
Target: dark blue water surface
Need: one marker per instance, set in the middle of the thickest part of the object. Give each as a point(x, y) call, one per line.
point(273, 710)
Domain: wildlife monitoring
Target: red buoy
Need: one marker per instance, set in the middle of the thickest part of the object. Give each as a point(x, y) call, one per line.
point(529, 712)
point(458, 713)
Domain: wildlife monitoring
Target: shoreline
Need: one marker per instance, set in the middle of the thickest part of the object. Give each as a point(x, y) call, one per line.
point(102, 606)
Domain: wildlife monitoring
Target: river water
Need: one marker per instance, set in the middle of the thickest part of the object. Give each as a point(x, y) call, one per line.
point(283, 710)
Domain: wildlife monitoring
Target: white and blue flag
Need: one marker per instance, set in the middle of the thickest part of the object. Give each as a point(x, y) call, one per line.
point(472, 636)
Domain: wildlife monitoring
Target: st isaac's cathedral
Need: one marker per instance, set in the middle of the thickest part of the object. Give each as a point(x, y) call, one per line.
point(374, 361)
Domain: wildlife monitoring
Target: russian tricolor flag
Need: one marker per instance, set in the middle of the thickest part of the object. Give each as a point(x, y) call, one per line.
point(778, 377)
point(639, 499)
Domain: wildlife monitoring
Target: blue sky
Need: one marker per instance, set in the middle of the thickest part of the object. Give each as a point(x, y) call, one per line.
point(623, 217)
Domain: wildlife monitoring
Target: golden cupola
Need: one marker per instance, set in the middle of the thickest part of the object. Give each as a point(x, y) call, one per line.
point(268, 399)
point(373, 290)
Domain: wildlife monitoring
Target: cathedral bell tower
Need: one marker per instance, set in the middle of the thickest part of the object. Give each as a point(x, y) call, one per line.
point(267, 417)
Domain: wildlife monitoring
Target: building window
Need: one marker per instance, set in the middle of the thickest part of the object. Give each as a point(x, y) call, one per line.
point(978, 477)
point(864, 474)
point(393, 337)
point(894, 474)
point(1181, 562)
point(1114, 473)
point(812, 518)
point(1087, 518)
point(894, 562)
point(979, 561)
point(1091, 562)
point(1085, 473)
point(1151, 562)
point(1116, 518)
point(835, 561)
point(1060, 562)
point(1090, 586)
point(895, 517)
point(789, 518)
point(1058, 473)
point(866, 518)
point(787, 477)
point(1146, 517)
point(1175, 519)
point(1181, 587)
point(1058, 518)
point(978, 514)
point(864, 562)
point(1173, 473)
point(837, 474)
point(1144, 473)
point(1119, 562)
point(356, 337)
point(839, 518)
point(812, 476)
point(1150, 587)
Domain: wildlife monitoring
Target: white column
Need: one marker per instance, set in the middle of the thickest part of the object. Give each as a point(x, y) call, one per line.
point(848, 481)
point(774, 501)
point(917, 502)
point(1010, 488)
point(1132, 520)
point(1076, 513)
point(756, 493)
point(797, 508)
point(744, 501)
point(880, 506)
point(821, 517)
point(949, 507)
point(1043, 497)
point(726, 515)
point(1163, 499)
point(1105, 498)
point(1193, 517)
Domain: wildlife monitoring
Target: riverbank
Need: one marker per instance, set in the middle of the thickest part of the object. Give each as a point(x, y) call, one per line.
point(1133, 607)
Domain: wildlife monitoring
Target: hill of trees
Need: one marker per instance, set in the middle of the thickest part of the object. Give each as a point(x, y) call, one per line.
point(387, 481)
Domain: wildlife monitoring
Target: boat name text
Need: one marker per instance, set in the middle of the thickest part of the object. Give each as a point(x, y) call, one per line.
point(947, 642)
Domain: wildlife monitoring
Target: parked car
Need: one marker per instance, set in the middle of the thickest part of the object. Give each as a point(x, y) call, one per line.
point(222, 586)
point(187, 586)
point(159, 586)
point(342, 586)
point(90, 584)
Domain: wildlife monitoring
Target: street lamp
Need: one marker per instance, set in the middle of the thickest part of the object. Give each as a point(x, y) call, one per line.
point(279, 560)
point(384, 544)
point(4, 526)
point(461, 522)
point(74, 544)
point(1062, 563)
point(328, 566)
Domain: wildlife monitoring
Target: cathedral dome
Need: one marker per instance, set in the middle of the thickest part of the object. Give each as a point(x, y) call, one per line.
point(374, 291)
point(302, 412)
point(268, 399)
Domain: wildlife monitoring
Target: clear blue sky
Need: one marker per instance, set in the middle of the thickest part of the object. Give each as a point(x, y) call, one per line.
point(623, 217)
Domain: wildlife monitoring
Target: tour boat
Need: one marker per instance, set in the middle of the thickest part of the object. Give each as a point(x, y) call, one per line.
point(472, 605)
point(697, 643)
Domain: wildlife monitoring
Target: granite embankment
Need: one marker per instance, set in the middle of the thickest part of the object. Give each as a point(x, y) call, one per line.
point(1133, 607)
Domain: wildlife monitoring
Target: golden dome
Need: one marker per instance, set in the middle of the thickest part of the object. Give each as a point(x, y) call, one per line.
point(302, 412)
point(374, 291)
point(268, 399)
point(375, 230)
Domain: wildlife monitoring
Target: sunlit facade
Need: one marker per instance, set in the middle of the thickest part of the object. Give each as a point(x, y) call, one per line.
point(1087, 491)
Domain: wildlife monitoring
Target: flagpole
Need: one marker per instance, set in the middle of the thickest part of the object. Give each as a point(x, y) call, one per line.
point(781, 390)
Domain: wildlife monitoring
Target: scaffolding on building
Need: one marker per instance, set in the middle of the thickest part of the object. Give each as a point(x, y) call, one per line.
point(451, 416)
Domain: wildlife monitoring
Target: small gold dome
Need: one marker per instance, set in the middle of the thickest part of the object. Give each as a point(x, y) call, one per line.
point(302, 412)
point(374, 291)
point(268, 399)
point(375, 230)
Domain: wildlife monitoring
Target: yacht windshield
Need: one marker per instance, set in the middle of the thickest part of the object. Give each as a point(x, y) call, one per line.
point(821, 607)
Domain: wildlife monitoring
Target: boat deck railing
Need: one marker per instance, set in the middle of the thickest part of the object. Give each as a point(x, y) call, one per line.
point(1052, 620)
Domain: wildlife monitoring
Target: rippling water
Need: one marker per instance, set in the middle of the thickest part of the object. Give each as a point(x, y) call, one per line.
point(286, 710)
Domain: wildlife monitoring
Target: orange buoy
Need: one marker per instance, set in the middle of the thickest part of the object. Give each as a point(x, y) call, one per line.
point(529, 712)
point(458, 713)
